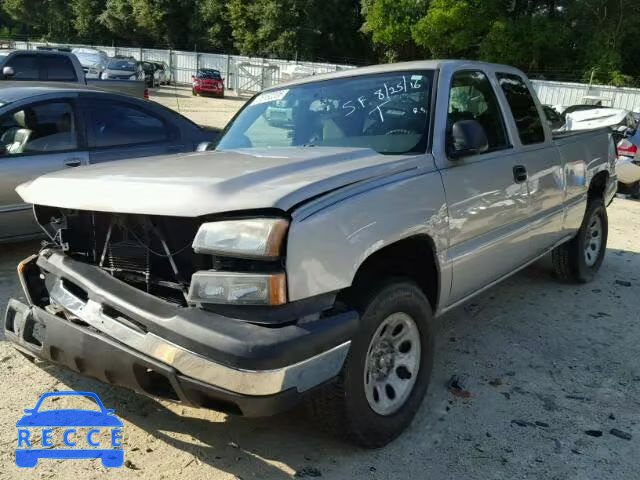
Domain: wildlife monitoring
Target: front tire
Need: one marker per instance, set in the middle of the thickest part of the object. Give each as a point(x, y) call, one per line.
point(580, 259)
point(387, 371)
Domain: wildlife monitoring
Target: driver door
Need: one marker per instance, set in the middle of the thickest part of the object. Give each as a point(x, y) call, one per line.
point(35, 139)
point(487, 205)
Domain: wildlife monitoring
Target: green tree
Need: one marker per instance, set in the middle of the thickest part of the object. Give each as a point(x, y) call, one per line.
point(85, 19)
point(390, 23)
point(48, 19)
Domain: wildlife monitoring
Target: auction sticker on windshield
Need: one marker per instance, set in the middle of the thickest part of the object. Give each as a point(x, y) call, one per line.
point(69, 433)
point(267, 97)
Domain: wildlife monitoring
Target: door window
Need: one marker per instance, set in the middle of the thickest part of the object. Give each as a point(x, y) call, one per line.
point(114, 125)
point(472, 98)
point(523, 108)
point(25, 67)
point(59, 69)
point(46, 127)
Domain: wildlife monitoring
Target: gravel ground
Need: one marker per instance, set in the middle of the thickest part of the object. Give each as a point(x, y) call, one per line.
point(543, 363)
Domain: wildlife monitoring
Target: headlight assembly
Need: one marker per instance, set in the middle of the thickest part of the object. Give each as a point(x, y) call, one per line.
point(260, 238)
point(238, 288)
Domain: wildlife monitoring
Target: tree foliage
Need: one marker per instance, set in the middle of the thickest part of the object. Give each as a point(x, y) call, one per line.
point(563, 39)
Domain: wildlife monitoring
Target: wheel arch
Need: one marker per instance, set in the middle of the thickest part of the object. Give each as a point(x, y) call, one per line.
point(598, 185)
point(413, 257)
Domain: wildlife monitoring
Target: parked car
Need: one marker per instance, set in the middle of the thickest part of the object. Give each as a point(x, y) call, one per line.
point(628, 164)
point(120, 68)
point(94, 62)
point(57, 66)
point(48, 128)
point(207, 80)
point(309, 262)
point(164, 72)
point(151, 74)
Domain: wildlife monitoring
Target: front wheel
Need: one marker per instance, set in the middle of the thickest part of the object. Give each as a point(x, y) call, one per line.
point(580, 259)
point(387, 371)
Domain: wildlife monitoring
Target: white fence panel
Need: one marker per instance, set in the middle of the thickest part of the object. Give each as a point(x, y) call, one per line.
point(245, 74)
point(567, 94)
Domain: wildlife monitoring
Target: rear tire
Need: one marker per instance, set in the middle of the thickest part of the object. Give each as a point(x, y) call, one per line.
point(580, 259)
point(350, 407)
point(634, 190)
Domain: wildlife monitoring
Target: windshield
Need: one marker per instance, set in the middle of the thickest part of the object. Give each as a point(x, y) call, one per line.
point(128, 65)
point(213, 74)
point(387, 112)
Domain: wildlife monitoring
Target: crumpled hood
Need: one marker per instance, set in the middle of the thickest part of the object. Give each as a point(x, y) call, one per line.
point(196, 184)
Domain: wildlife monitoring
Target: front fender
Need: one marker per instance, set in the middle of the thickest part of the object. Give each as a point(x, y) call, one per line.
point(329, 239)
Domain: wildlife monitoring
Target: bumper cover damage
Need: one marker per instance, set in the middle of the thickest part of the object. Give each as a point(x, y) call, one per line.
point(92, 323)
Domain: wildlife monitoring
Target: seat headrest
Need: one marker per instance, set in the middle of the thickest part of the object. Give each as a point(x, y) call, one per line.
point(20, 119)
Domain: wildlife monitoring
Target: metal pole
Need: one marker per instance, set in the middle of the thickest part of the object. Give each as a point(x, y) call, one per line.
point(171, 75)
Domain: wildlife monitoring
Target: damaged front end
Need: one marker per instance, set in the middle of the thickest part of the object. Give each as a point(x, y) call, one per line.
point(187, 309)
point(151, 253)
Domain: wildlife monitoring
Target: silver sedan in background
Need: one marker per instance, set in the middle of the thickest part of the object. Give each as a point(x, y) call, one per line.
point(51, 127)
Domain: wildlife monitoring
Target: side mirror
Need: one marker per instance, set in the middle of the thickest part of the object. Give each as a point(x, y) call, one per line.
point(203, 146)
point(8, 72)
point(467, 138)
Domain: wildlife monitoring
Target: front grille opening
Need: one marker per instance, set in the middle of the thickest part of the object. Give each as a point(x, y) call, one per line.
point(151, 253)
point(75, 290)
point(10, 321)
point(154, 383)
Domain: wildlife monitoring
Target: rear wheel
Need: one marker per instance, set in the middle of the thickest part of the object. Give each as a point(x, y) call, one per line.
point(580, 259)
point(387, 371)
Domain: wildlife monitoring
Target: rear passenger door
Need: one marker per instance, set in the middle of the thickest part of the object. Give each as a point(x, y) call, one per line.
point(540, 158)
point(487, 207)
point(119, 129)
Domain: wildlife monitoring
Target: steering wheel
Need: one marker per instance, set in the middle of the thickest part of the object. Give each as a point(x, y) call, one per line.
point(411, 113)
point(400, 131)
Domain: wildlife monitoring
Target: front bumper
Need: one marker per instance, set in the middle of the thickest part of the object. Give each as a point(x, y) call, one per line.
point(101, 327)
point(212, 90)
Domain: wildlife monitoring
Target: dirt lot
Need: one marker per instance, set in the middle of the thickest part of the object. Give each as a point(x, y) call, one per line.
point(544, 363)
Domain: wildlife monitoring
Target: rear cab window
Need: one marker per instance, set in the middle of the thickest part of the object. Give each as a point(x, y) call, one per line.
point(58, 69)
point(523, 108)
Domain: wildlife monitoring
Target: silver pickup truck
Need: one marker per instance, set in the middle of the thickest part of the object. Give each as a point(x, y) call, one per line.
point(309, 260)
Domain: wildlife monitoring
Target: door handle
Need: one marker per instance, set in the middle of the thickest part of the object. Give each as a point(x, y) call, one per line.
point(73, 162)
point(520, 173)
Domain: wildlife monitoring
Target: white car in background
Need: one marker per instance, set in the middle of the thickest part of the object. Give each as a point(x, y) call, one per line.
point(93, 61)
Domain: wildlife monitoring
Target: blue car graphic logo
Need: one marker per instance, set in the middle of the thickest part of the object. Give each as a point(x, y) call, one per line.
point(67, 419)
